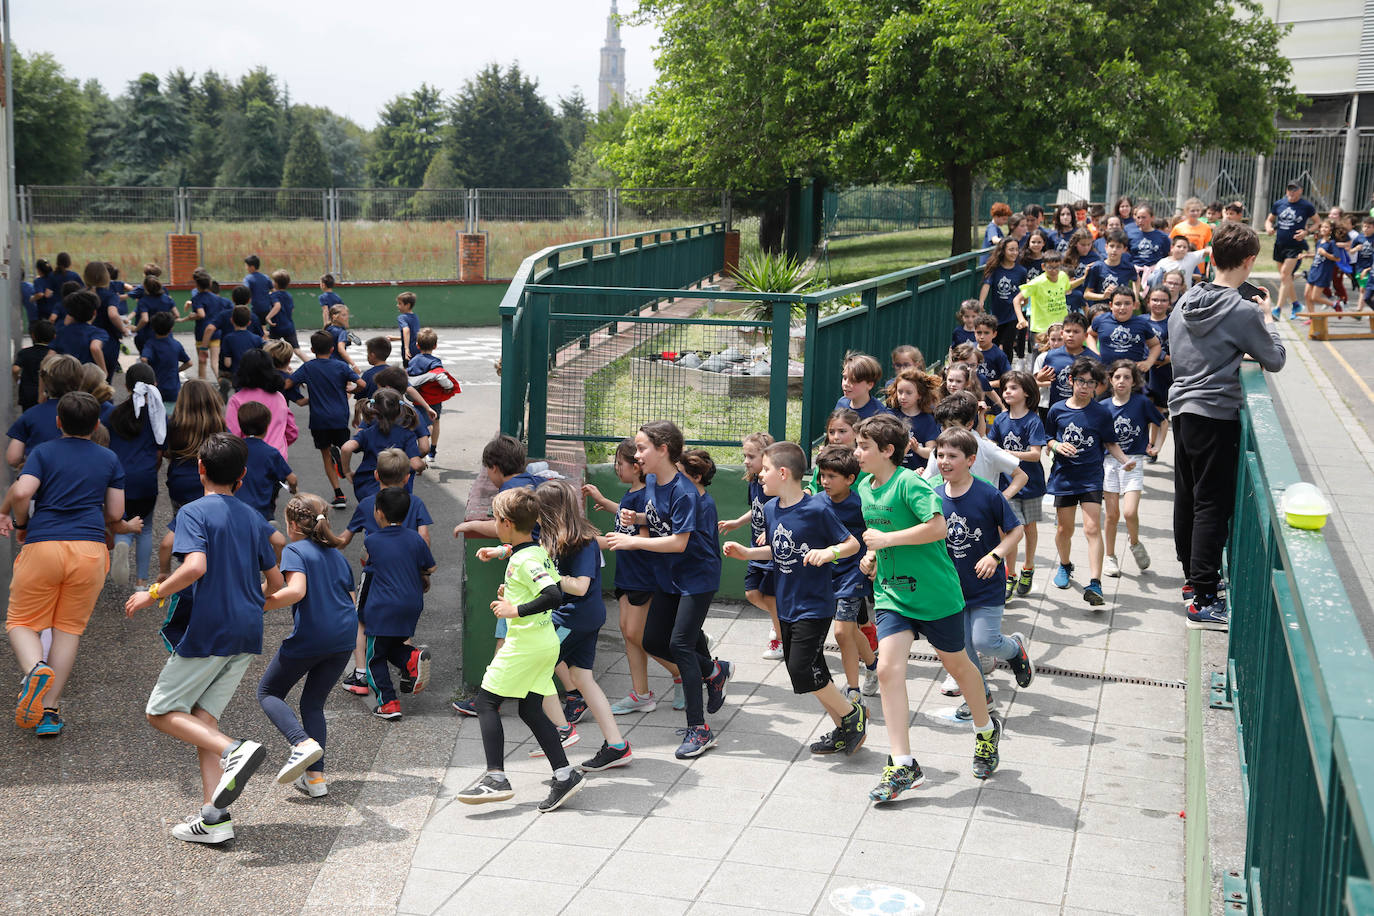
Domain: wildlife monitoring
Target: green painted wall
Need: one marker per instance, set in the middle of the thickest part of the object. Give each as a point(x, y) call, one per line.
point(450, 305)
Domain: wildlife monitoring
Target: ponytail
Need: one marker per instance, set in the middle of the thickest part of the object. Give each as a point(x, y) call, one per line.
point(308, 512)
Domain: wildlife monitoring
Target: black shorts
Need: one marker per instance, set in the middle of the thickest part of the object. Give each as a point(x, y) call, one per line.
point(325, 438)
point(140, 508)
point(636, 597)
point(945, 634)
point(760, 579)
point(288, 335)
point(1285, 250)
point(578, 649)
point(1077, 499)
point(803, 652)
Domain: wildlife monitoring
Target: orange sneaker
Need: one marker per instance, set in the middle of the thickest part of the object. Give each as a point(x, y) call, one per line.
point(28, 712)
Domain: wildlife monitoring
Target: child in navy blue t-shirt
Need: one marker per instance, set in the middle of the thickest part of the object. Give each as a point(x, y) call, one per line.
point(1140, 429)
point(758, 578)
point(400, 564)
point(837, 470)
point(137, 440)
point(860, 375)
point(267, 469)
point(994, 362)
point(259, 289)
point(1122, 334)
point(805, 540)
point(1021, 433)
point(328, 298)
point(151, 301)
point(59, 374)
point(384, 420)
point(319, 591)
point(280, 322)
point(80, 338)
point(235, 343)
point(338, 329)
point(1003, 277)
point(27, 361)
point(911, 398)
point(408, 326)
point(224, 546)
point(420, 364)
point(969, 310)
point(167, 357)
point(328, 383)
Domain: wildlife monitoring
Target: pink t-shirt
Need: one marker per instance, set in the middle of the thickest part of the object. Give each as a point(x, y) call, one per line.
point(281, 431)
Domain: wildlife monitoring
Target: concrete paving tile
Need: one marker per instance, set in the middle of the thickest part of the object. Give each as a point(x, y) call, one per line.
point(593, 901)
point(709, 908)
point(1107, 758)
point(1157, 861)
point(1043, 751)
point(651, 873)
point(833, 776)
point(427, 889)
point(693, 839)
point(573, 826)
point(1162, 827)
point(1159, 667)
point(1006, 839)
point(1133, 792)
point(1033, 881)
point(888, 862)
point(349, 885)
point(450, 852)
point(777, 889)
point(554, 862)
point(483, 894)
point(1114, 892)
point(1013, 775)
point(718, 768)
point(917, 825)
point(846, 894)
point(504, 820)
point(1000, 805)
point(1140, 740)
point(958, 903)
point(828, 815)
point(784, 848)
point(1144, 642)
point(1139, 705)
point(711, 803)
point(1079, 657)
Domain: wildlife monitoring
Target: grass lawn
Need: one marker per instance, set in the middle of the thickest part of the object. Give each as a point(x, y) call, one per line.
point(866, 256)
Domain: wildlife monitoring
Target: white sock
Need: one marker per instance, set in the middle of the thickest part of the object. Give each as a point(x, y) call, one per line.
point(985, 727)
point(562, 773)
point(907, 761)
point(45, 640)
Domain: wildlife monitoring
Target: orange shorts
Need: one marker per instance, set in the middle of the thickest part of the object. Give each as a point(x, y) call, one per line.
point(55, 584)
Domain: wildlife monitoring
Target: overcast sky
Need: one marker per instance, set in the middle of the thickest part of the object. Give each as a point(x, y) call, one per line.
point(347, 55)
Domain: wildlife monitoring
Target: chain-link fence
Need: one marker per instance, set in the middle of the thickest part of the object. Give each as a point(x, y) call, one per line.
point(887, 208)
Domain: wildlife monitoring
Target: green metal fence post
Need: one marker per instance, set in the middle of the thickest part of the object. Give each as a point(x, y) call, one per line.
point(537, 313)
point(512, 401)
point(869, 298)
point(777, 376)
point(809, 376)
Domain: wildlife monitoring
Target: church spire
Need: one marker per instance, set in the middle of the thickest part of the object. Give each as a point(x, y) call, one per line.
point(611, 82)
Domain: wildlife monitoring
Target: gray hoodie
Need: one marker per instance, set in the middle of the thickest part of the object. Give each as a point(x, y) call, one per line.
point(1210, 329)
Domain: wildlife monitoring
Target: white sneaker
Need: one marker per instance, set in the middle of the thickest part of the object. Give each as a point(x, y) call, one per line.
point(119, 563)
point(195, 830)
point(774, 650)
point(1140, 555)
point(302, 755)
point(635, 703)
point(317, 788)
point(987, 664)
point(950, 687)
point(868, 684)
point(1110, 567)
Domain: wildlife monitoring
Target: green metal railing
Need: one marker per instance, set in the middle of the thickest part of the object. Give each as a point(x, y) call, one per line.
point(1301, 679)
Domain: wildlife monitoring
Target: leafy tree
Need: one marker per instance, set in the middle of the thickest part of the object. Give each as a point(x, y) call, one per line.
point(254, 154)
point(207, 103)
point(408, 134)
point(504, 135)
point(101, 136)
point(440, 175)
point(342, 141)
point(154, 135)
point(306, 164)
point(51, 121)
point(574, 117)
point(604, 133)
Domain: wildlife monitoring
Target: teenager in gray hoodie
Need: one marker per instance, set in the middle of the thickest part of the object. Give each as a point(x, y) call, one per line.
point(1211, 328)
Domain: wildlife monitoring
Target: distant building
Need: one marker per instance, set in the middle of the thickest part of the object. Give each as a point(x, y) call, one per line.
point(611, 82)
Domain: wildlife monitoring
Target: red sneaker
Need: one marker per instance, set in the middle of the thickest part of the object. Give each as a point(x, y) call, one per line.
point(388, 711)
point(417, 668)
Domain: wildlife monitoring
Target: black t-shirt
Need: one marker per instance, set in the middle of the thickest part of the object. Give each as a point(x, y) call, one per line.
point(28, 361)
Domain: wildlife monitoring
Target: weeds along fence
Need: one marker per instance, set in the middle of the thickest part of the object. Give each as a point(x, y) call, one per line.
point(893, 208)
point(592, 335)
point(358, 234)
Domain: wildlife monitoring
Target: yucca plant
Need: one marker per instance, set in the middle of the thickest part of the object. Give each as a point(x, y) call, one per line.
point(773, 273)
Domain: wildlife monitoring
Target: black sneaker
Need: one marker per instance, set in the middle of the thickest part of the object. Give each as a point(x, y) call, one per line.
point(985, 758)
point(355, 684)
point(489, 788)
point(239, 764)
point(964, 714)
point(896, 780)
point(574, 708)
point(832, 742)
point(607, 758)
point(1021, 665)
point(563, 789)
point(336, 456)
point(855, 728)
point(340, 501)
point(715, 686)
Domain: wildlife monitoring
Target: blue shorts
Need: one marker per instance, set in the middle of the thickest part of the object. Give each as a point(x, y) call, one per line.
point(502, 625)
point(578, 648)
point(848, 610)
point(945, 634)
point(760, 579)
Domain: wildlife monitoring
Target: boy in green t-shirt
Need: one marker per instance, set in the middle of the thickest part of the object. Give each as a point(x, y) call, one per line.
point(1048, 293)
point(523, 666)
point(916, 592)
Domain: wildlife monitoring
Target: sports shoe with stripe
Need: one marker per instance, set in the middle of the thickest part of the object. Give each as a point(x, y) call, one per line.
point(715, 686)
point(896, 779)
point(240, 761)
point(562, 790)
point(467, 707)
point(696, 740)
point(417, 669)
point(1022, 668)
point(566, 737)
point(488, 788)
point(355, 684)
point(635, 703)
point(389, 711)
point(302, 755)
point(985, 756)
point(195, 830)
point(51, 726)
point(312, 784)
point(28, 712)
point(574, 708)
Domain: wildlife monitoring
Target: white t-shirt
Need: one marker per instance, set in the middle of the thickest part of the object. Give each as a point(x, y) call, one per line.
point(991, 462)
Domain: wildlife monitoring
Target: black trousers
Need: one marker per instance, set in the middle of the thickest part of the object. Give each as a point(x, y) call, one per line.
point(1205, 454)
point(1006, 339)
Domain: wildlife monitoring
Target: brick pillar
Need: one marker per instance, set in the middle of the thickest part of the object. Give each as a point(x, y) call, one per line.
point(472, 257)
point(183, 257)
point(731, 251)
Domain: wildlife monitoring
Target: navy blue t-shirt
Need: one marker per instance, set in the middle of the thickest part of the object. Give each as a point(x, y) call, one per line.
point(165, 355)
point(923, 428)
point(849, 581)
point(205, 306)
point(1020, 434)
point(329, 299)
point(873, 407)
point(582, 612)
point(962, 335)
point(109, 298)
point(340, 336)
point(974, 520)
point(1103, 275)
point(267, 471)
point(37, 425)
point(1074, 297)
point(283, 321)
point(1033, 267)
point(227, 618)
point(1289, 218)
point(421, 363)
point(412, 321)
point(803, 592)
point(221, 315)
point(699, 570)
point(151, 305)
point(1149, 248)
point(369, 377)
point(234, 344)
point(1131, 422)
point(1088, 429)
point(371, 442)
point(183, 480)
point(75, 340)
point(1364, 252)
point(260, 288)
point(669, 509)
point(1127, 339)
point(1160, 377)
point(139, 457)
point(991, 367)
point(324, 380)
point(633, 570)
point(73, 475)
point(757, 500)
point(1061, 361)
point(364, 518)
point(326, 621)
point(1003, 284)
point(395, 596)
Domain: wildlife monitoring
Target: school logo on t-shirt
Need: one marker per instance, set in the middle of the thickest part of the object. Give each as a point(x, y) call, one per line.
point(1078, 437)
point(786, 552)
point(1011, 442)
point(1288, 218)
point(657, 526)
point(960, 538)
point(1126, 431)
point(1123, 338)
point(1006, 289)
point(1063, 382)
point(756, 515)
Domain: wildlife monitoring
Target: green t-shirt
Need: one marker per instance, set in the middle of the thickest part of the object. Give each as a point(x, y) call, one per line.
point(915, 580)
point(529, 571)
point(1048, 300)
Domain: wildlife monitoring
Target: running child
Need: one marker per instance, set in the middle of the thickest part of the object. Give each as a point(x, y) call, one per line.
point(57, 374)
point(969, 310)
point(408, 326)
point(27, 361)
point(258, 382)
point(860, 374)
point(384, 426)
point(1319, 275)
point(198, 416)
point(839, 430)
point(280, 322)
point(328, 299)
point(911, 398)
point(421, 363)
point(1122, 334)
point(328, 382)
point(166, 356)
point(1056, 370)
point(1047, 294)
point(758, 578)
point(236, 342)
point(1081, 433)
point(338, 329)
point(994, 363)
point(138, 429)
point(202, 307)
point(905, 356)
point(151, 301)
point(1021, 434)
point(319, 590)
point(267, 471)
point(1115, 271)
point(223, 545)
point(523, 666)
point(259, 289)
point(961, 410)
point(1140, 431)
point(793, 521)
point(1002, 277)
point(853, 593)
point(79, 337)
point(1161, 375)
point(906, 543)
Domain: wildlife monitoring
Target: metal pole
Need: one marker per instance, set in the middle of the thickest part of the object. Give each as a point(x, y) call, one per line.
point(1261, 206)
point(1113, 177)
point(10, 336)
point(1350, 163)
point(1183, 188)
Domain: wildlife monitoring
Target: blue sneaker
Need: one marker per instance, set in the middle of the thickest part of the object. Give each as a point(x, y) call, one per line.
point(466, 707)
point(696, 740)
point(1092, 593)
point(715, 686)
point(1276, 312)
point(1061, 578)
point(1211, 616)
point(574, 708)
point(50, 726)
point(1297, 307)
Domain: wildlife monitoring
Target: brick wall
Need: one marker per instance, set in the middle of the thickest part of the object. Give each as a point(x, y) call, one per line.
point(472, 257)
point(731, 251)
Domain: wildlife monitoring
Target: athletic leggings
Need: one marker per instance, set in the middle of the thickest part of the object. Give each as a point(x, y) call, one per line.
point(321, 673)
point(532, 714)
point(673, 631)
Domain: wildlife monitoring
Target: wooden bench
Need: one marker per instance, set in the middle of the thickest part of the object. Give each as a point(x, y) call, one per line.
point(1318, 330)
